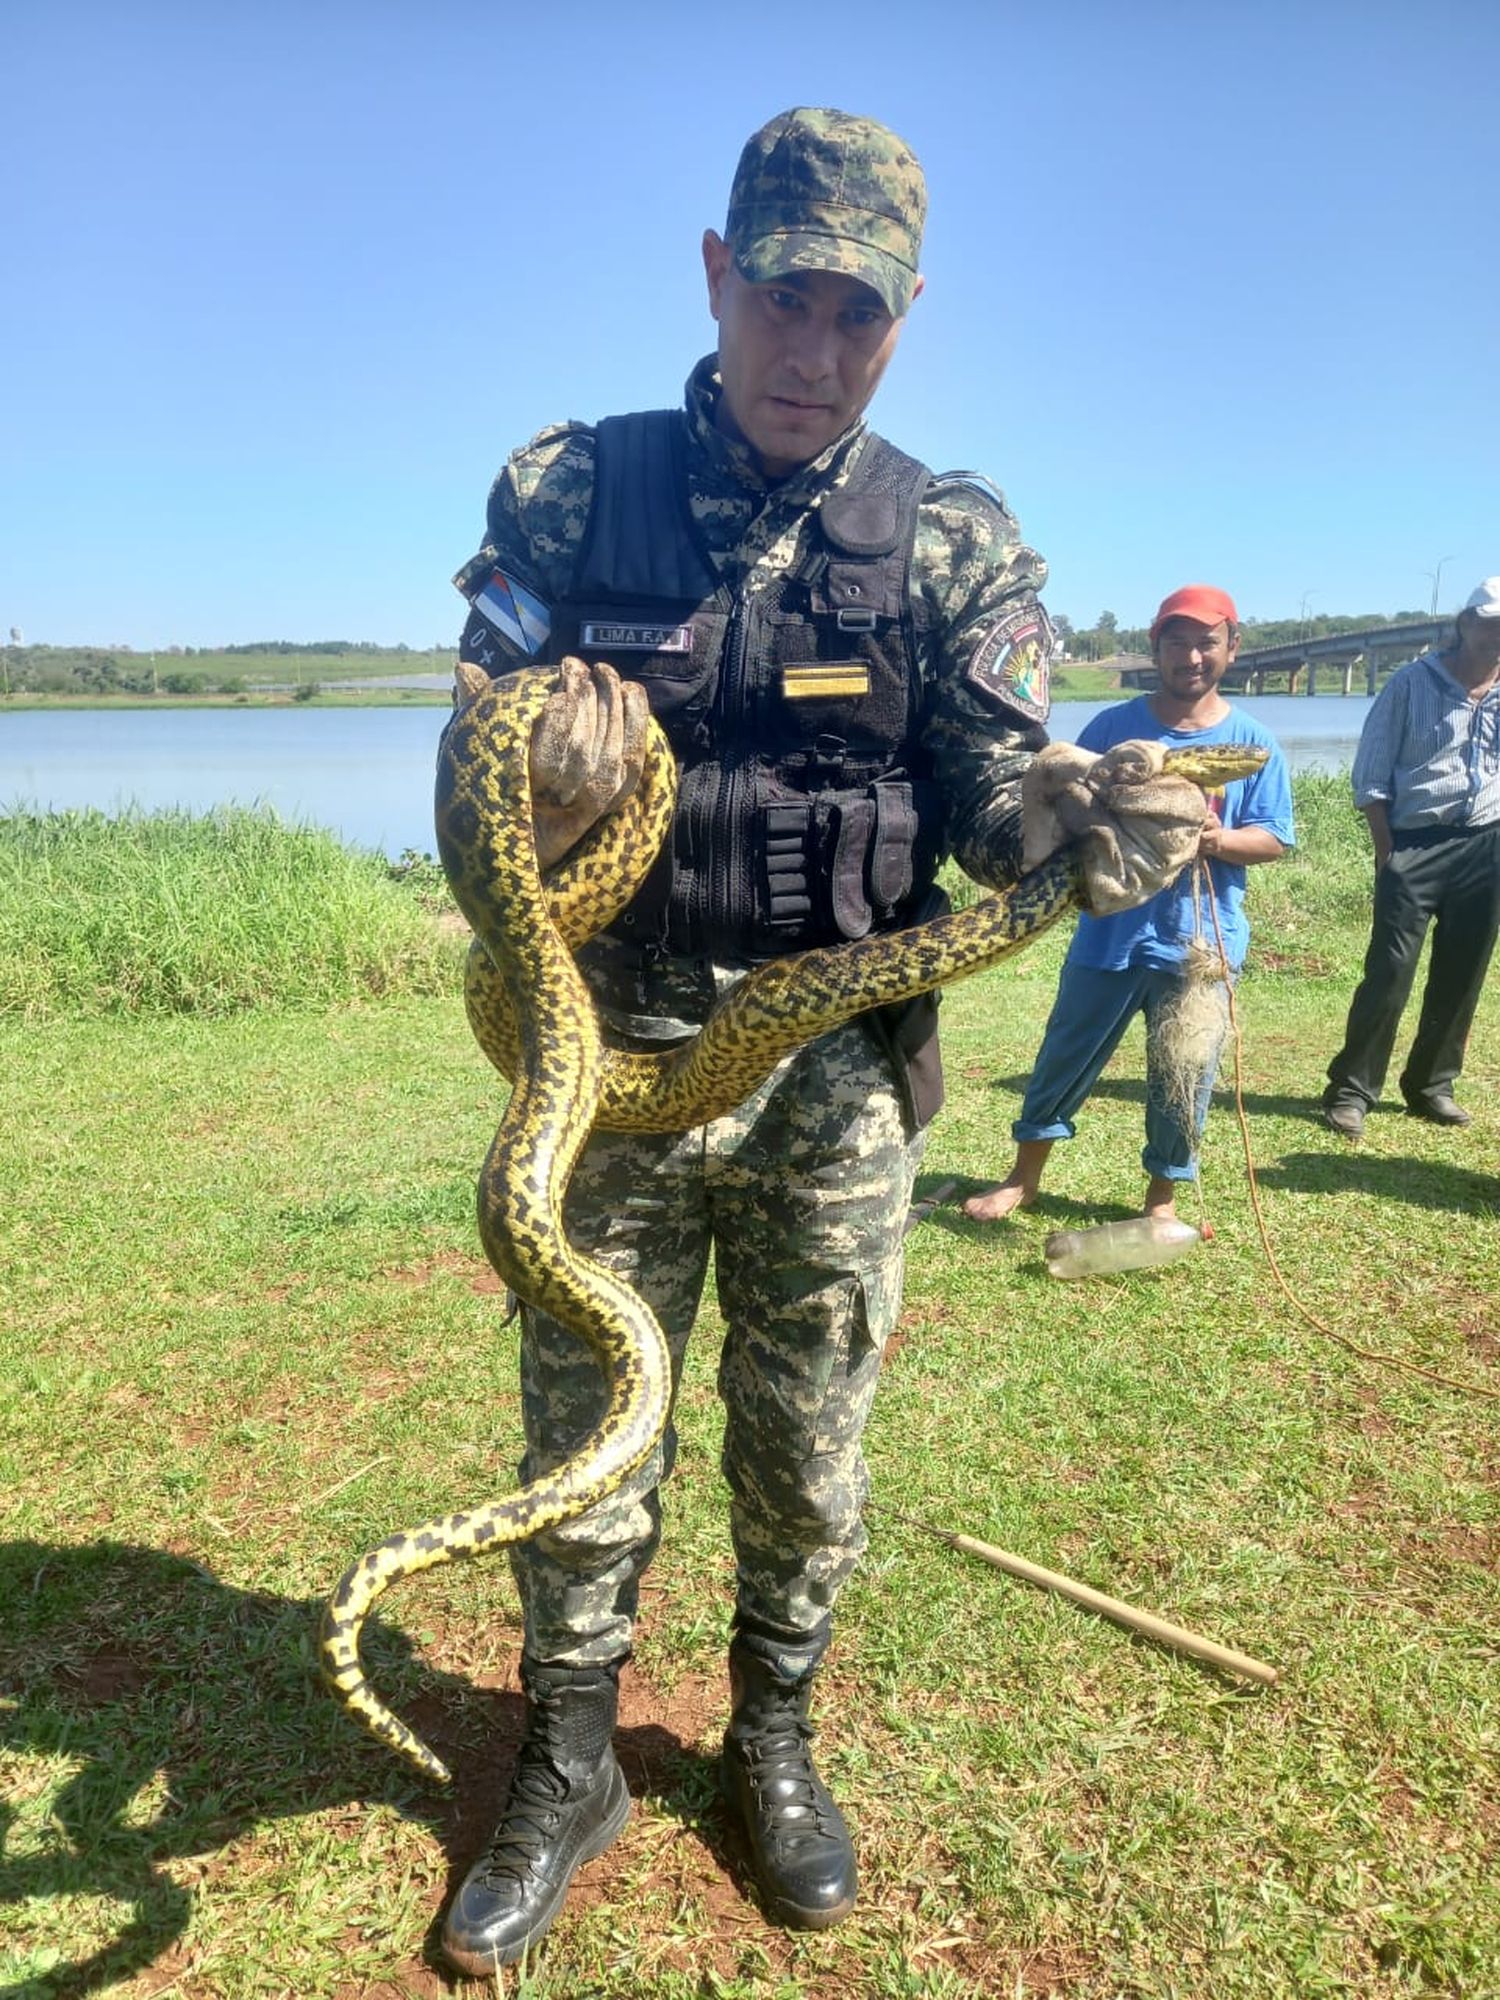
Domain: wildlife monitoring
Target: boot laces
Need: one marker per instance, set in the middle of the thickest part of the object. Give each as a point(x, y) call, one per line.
point(779, 1757)
point(532, 1813)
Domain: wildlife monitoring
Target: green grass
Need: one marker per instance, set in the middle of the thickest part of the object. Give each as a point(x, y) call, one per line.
point(201, 913)
point(246, 1332)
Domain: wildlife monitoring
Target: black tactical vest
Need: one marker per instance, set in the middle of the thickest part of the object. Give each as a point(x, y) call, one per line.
point(807, 813)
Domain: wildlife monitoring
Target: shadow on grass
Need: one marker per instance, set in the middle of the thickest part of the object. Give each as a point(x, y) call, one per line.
point(1394, 1177)
point(1341, 1169)
point(193, 1713)
point(938, 1202)
point(1132, 1090)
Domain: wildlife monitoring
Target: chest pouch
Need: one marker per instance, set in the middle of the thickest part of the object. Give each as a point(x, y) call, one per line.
point(839, 660)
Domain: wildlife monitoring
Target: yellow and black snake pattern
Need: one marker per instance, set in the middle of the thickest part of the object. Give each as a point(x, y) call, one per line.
point(532, 1015)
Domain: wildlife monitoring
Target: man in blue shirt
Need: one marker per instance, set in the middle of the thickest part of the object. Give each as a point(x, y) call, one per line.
point(1427, 778)
point(1142, 961)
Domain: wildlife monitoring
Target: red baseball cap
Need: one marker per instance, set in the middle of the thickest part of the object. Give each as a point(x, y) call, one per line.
point(1200, 601)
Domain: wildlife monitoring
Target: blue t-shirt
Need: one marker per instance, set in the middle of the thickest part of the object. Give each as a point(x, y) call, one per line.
point(1159, 932)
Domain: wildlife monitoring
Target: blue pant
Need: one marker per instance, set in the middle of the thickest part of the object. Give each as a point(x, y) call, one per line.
point(1089, 1017)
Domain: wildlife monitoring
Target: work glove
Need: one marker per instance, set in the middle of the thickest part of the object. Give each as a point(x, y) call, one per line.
point(587, 750)
point(1136, 828)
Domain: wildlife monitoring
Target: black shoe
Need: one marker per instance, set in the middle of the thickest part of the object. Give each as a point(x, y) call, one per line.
point(799, 1845)
point(567, 1803)
point(1441, 1108)
point(1346, 1117)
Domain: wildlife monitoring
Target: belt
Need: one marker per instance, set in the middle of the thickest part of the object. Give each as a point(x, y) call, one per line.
point(1436, 836)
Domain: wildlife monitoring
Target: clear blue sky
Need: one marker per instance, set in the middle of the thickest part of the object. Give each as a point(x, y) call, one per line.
point(1211, 292)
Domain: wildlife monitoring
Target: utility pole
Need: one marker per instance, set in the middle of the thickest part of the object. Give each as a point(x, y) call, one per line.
point(1437, 577)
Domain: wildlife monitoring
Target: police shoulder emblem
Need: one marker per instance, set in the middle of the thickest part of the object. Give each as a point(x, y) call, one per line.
point(1012, 662)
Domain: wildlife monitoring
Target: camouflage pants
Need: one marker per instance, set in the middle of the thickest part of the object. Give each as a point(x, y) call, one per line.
point(801, 1196)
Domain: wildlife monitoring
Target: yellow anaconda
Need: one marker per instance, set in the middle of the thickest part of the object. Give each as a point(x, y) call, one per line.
point(533, 1016)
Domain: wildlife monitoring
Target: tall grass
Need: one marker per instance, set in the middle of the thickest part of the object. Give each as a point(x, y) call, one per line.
point(176, 912)
point(204, 913)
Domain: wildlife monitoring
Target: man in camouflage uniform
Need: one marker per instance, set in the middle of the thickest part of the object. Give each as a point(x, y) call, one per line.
point(851, 694)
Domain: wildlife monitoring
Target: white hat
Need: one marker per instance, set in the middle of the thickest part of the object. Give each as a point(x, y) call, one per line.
point(1485, 602)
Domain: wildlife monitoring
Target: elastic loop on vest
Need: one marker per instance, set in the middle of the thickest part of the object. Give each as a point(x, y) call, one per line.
point(851, 907)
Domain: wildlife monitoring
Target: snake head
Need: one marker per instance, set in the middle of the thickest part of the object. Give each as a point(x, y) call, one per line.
point(468, 681)
point(1215, 763)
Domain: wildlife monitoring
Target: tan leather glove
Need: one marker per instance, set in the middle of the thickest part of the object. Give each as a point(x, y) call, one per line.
point(587, 750)
point(1137, 828)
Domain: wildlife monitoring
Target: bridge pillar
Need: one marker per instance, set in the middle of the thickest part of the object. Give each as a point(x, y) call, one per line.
point(1293, 678)
point(1312, 675)
point(1348, 677)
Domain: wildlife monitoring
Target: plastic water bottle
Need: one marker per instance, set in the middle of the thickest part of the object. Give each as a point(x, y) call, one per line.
point(1118, 1246)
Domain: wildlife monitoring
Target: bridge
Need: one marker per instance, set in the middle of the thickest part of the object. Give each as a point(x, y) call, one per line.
point(1339, 653)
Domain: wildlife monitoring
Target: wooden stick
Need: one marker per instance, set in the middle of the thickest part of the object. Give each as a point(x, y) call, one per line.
point(929, 1205)
point(1175, 1636)
point(329, 1491)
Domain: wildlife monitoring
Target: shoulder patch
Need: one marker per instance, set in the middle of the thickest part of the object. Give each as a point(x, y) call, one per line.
point(1012, 662)
point(514, 611)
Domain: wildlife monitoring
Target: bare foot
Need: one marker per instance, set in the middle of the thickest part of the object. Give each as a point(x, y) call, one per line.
point(1161, 1200)
point(998, 1202)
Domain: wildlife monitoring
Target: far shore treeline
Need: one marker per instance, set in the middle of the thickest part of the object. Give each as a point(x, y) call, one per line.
point(276, 668)
point(301, 670)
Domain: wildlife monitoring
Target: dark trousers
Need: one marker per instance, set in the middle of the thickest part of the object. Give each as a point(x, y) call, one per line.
point(1455, 882)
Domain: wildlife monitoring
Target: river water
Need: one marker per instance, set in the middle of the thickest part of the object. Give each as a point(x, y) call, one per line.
point(367, 772)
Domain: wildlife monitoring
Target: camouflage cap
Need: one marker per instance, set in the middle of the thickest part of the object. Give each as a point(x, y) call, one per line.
point(825, 191)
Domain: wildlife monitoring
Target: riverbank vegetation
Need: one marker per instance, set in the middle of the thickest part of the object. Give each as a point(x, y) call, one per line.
point(177, 912)
point(246, 1332)
point(270, 673)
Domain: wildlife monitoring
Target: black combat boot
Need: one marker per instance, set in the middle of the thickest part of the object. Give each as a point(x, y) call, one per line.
point(567, 1802)
point(799, 1844)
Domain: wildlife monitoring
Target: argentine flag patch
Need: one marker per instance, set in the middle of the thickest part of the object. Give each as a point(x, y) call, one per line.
point(516, 613)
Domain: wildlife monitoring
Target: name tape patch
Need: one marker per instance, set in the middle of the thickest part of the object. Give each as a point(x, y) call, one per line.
point(631, 638)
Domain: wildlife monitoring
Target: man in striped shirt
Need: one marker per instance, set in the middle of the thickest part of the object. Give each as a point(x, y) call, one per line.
point(1427, 778)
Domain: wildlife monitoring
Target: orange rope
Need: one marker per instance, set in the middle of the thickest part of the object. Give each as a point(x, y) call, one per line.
point(1321, 1326)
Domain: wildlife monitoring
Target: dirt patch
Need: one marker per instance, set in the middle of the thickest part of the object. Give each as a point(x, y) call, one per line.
point(111, 1675)
point(1373, 1423)
point(419, 1981)
point(1476, 1542)
point(1481, 1339)
point(1362, 1504)
point(452, 1263)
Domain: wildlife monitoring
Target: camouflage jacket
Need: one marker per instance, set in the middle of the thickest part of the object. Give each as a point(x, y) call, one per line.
point(983, 648)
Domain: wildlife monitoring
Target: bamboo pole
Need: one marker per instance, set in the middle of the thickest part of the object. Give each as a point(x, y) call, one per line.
point(1175, 1636)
